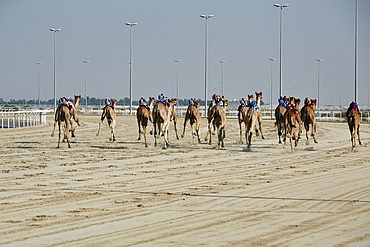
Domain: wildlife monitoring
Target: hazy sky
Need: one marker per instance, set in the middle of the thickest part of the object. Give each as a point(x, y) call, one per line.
point(244, 33)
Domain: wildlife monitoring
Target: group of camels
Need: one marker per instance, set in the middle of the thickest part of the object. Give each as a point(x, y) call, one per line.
point(289, 120)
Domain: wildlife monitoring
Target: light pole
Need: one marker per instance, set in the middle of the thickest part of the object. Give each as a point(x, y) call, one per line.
point(178, 78)
point(281, 6)
point(55, 65)
point(318, 82)
point(222, 76)
point(130, 62)
point(206, 63)
point(356, 53)
point(38, 81)
point(272, 60)
point(368, 96)
point(85, 62)
point(340, 95)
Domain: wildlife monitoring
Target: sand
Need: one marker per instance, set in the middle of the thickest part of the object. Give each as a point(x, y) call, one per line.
point(100, 193)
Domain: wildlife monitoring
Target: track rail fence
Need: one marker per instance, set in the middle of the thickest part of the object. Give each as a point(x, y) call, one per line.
point(17, 119)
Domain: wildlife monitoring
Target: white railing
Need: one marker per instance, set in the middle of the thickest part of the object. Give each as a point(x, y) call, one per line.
point(16, 119)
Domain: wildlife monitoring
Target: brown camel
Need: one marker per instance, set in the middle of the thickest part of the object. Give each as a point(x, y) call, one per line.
point(143, 115)
point(161, 115)
point(73, 111)
point(242, 114)
point(193, 115)
point(308, 118)
point(217, 118)
point(353, 119)
point(174, 118)
point(292, 118)
point(64, 121)
point(279, 116)
point(252, 120)
point(259, 114)
point(210, 106)
point(110, 114)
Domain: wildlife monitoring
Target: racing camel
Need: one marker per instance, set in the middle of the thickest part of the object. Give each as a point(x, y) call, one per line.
point(64, 120)
point(242, 114)
point(252, 119)
point(308, 118)
point(143, 115)
point(259, 115)
point(217, 118)
point(353, 119)
point(73, 111)
point(193, 115)
point(110, 114)
point(279, 116)
point(162, 114)
point(292, 118)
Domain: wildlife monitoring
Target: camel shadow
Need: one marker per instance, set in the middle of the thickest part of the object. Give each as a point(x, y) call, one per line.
point(108, 147)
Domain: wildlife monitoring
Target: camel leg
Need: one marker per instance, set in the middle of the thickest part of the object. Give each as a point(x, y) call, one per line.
point(197, 130)
point(144, 133)
point(307, 128)
point(60, 133)
point(260, 127)
point(52, 133)
point(100, 124)
point(358, 135)
point(210, 134)
point(240, 133)
point(112, 125)
point(175, 126)
point(75, 118)
point(139, 125)
point(183, 131)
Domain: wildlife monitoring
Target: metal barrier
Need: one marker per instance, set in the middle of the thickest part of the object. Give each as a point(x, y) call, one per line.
point(17, 119)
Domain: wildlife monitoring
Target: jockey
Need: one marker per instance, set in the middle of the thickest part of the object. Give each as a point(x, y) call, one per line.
point(64, 101)
point(307, 102)
point(142, 102)
point(282, 101)
point(107, 102)
point(354, 106)
point(242, 102)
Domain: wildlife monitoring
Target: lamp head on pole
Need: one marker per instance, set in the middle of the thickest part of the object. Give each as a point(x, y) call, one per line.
point(281, 5)
point(130, 23)
point(206, 16)
point(85, 61)
point(55, 30)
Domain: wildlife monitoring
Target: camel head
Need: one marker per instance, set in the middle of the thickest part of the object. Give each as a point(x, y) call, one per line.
point(250, 97)
point(291, 100)
point(297, 102)
point(172, 101)
point(226, 103)
point(313, 102)
point(151, 100)
point(113, 101)
point(197, 103)
point(259, 94)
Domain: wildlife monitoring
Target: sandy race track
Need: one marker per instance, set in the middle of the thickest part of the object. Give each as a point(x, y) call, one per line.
point(100, 193)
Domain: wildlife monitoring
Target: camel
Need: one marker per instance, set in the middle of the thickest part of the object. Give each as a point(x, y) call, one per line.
point(64, 121)
point(242, 114)
point(193, 115)
point(308, 118)
point(110, 114)
point(210, 106)
point(259, 115)
point(292, 118)
point(217, 118)
point(353, 119)
point(279, 116)
point(72, 113)
point(144, 114)
point(174, 118)
point(161, 116)
point(252, 119)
